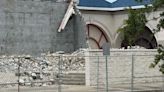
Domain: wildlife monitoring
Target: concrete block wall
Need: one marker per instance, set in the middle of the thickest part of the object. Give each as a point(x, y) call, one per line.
point(30, 27)
point(120, 67)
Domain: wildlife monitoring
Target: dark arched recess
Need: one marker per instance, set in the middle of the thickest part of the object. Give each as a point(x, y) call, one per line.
point(146, 39)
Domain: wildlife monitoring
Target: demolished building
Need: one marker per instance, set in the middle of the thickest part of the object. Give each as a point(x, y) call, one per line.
point(31, 27)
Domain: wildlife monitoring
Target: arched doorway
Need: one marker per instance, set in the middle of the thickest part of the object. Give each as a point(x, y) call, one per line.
point(96, 36)
point(146, 39)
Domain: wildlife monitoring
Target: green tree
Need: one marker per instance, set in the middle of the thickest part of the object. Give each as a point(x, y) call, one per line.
point(134, 25)
point(156, 4)
point(159, 58)
point(159, 4)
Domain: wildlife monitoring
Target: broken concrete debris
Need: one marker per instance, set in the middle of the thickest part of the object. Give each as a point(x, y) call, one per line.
point(38, 71)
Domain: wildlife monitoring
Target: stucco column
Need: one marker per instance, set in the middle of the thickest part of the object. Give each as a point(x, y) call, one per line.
point(87, 68)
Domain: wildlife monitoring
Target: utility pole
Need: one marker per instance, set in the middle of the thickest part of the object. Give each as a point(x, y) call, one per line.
point(106, 53)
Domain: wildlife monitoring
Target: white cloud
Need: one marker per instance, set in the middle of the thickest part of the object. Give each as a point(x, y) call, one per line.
point(111, 1)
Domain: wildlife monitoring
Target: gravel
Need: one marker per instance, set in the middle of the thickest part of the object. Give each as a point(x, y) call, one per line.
point(38, 69)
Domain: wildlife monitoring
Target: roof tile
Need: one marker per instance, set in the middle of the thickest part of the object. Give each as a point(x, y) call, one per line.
point(105, 4)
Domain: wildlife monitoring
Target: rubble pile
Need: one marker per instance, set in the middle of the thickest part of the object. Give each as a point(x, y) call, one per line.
point(38, 69)
point(133, 47)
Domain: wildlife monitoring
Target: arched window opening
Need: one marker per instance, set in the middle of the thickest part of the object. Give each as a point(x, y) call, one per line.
point(146, 39)
point(96, 36)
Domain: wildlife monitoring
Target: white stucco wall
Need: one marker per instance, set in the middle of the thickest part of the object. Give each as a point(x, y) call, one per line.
point(110, 22)
point(120, 68)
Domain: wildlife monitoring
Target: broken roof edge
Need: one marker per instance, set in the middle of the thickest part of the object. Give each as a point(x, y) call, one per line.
point(67, 15)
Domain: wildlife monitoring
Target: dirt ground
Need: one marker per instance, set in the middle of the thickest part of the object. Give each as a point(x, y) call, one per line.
point(82, 88)
point(51, 89)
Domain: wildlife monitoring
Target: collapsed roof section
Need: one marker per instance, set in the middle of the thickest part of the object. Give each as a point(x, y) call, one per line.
point(67, 15)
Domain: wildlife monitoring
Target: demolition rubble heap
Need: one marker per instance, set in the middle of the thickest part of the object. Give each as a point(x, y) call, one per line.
point(38, 69)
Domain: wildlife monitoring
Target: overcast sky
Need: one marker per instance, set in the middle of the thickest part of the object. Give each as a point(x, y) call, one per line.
point(111, 0)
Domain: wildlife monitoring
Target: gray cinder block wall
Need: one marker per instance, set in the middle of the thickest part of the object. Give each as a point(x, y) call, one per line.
point(120, 68)
point(30, 27)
